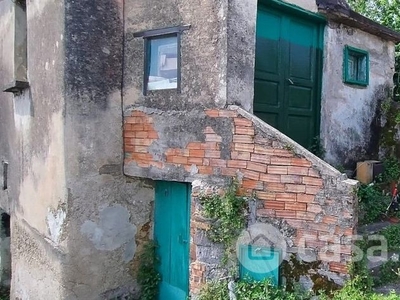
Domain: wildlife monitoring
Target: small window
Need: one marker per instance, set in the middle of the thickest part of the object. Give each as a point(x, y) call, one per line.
point(356, 66)
point(162, 63)
point(162, 58)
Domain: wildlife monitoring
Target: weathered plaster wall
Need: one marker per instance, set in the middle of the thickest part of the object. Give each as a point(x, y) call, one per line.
point(7, 133)
point(107, 214)
point(309, 5)
point(217, 52)
point(312, 204)
point(350, 113)
point(38, 121)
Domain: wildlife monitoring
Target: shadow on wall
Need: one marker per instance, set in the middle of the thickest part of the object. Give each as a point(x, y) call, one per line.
point(93, 48)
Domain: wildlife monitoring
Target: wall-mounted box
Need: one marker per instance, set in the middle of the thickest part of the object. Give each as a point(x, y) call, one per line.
point(368, 170)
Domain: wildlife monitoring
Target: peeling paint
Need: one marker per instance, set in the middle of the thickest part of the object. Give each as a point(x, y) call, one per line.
point(112, 230)
point(55, 222)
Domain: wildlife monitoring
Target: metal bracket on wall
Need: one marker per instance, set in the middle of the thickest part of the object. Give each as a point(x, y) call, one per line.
point(5, 175)
point(16, 87)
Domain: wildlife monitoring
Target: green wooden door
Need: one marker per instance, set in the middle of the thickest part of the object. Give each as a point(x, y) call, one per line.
point(287, 76)
point(171, 232)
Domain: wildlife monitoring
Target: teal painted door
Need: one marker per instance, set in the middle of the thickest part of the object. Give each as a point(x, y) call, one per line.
point(171, 232)
point(287, 75)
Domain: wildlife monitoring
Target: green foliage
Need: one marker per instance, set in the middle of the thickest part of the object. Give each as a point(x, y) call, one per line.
point(251, 290)
point(392, 235)
point(392, 170)
point(148, 277)
point(215, 290)
point(388, 272)
point(317, 148)
point(228, 214)
point(372, 203)
point(4, 293)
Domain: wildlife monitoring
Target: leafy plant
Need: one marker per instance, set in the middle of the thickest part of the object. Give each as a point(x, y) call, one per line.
point(148, 277)
point(215, 290)
point(392, 235)
point(391, 170)
point(388, 273)
point(372, 203)
point(227, 213)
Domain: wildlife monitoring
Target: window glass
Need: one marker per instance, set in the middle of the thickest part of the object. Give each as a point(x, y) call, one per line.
point(356, 66)
point(163, 63)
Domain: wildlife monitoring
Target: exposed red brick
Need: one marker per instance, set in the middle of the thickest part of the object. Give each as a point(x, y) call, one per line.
point(228, 113)
point(315, 208)
point(152, 134)
point(283, 152)
point(213, 153)
point(137, 127)
point(295, 188)
point(281, 161)
point(296, 223)
point(300, 162)
point(313, 173)
point(215, 162)
point(275, 187)
point(142, 134)
point(141, 149)
point(276, 205)
point(236, 164)
point(127, 127)
point(142, 142)
point(245, 139)
point(285, 214)
point(244, 147)
point(210, 137)
point(266, 212)
point(179, 159)
point(291, 179)
point(256, 167)
point(242, 122)
point(265, 159)
point(330, 219)
point(320, 227)
point(156, 164)
point(312, 181)
point(295, 206)
point(206, 161)
point(250, 174)
point(209, 146)
point(228, 171)
point(312, 190)
point(212, 113)
point(129, 134)
point(205, 170)
point(277, 170)
point(291, 197)
point(270, 178)
point(292, 170)
point(338, 267)
point(252, 184)
point(244, 130)
point(196, 153)
point(240, 155)
point(263, 150)
point(268, 196)
point(305, 198)
point(305, 215)
point(194, 145)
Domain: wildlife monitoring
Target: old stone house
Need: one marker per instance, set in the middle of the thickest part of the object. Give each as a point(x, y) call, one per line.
point(118, 115)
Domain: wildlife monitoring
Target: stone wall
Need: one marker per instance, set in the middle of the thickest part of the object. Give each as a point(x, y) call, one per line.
point(312, 204)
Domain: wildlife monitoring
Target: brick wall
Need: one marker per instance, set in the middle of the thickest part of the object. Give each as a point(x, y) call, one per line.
point(290, 183)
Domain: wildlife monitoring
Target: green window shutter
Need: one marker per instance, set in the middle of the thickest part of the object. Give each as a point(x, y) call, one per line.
point(355, 66)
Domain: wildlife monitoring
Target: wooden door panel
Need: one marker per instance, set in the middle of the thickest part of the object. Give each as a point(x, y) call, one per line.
point(171, 232)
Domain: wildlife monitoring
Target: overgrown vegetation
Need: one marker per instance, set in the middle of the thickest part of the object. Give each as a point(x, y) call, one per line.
point(148, 276)
point(228, 215)
point(392, 235)
point(374, 198)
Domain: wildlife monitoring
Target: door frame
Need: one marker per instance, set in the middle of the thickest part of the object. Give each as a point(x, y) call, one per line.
point(320, 21)
point(188, 214)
